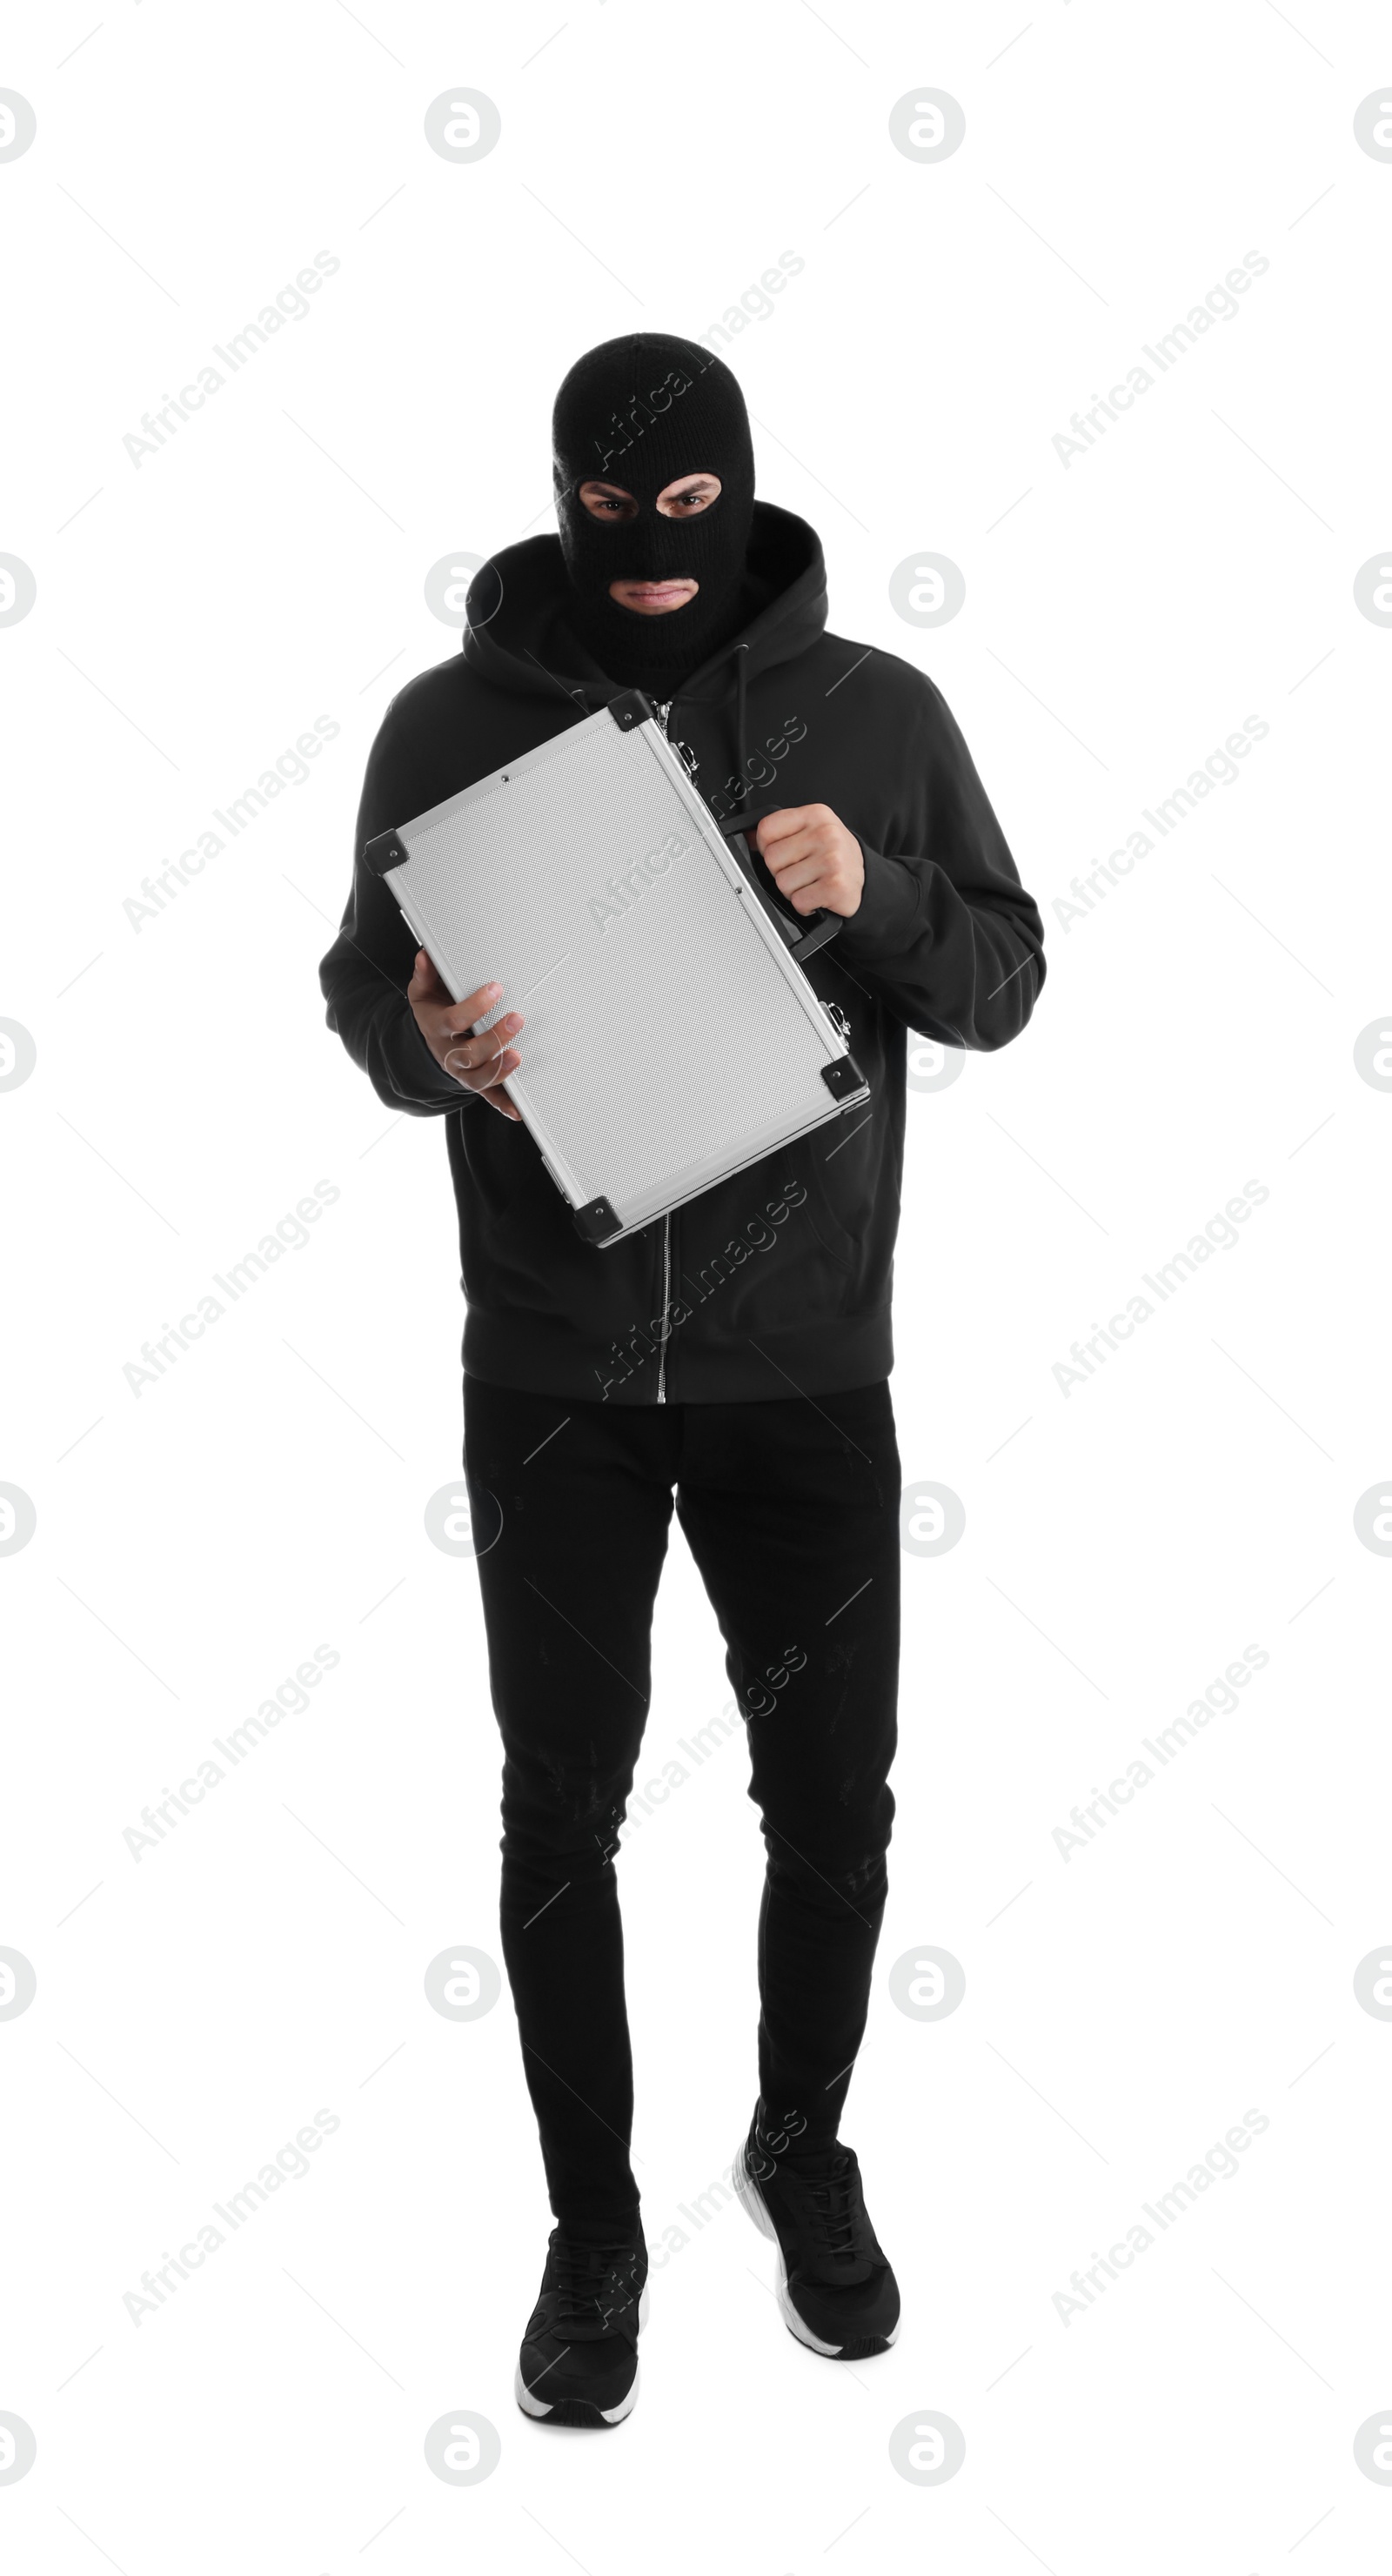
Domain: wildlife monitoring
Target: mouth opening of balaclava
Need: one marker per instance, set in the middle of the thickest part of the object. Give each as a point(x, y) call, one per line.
point(640, 413)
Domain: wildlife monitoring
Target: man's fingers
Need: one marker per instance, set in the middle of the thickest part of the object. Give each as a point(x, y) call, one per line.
point(803, 893)
point(481, 1063)
point(474, 1006)
point(787, 819)
point(801, 845)
point(804, 851)
point(798, 862)
point(473, 1052)
point(799, 870)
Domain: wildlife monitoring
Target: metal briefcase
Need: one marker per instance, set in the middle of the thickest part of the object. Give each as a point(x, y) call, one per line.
point(671, 1036)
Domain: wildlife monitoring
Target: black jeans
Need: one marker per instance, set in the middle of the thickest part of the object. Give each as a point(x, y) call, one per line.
point(791, 1511)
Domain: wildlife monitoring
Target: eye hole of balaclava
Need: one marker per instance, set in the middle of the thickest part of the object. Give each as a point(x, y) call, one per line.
point(640, 413)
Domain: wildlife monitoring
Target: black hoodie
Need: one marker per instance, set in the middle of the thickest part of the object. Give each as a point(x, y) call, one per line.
point(776, 1281)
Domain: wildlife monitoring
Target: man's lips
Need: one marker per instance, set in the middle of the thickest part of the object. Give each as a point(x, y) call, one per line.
point(658, 589)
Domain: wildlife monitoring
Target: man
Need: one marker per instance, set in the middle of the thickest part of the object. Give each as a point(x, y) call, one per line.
point(736, 1353)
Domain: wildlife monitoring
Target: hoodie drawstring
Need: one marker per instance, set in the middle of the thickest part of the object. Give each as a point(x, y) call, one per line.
point(740, 728)
point(577, 699)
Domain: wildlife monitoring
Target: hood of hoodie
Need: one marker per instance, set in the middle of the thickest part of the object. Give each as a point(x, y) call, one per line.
point(518, 639)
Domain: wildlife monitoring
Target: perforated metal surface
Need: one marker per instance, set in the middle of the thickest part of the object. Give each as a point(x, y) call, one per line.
point(669, 1038)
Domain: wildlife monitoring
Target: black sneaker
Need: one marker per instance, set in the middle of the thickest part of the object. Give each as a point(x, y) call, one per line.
point(835, 2287)
point(579, 2357)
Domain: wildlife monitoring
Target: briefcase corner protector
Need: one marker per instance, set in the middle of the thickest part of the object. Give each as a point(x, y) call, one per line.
point(386, 851)
point(631, 708)
point(599, 1222)
point(842, 1077)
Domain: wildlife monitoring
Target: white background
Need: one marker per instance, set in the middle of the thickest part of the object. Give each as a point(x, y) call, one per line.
point(1124, 1542)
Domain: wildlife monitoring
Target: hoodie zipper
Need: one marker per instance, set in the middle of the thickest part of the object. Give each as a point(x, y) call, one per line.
point(666, 1309)
point(663, 713)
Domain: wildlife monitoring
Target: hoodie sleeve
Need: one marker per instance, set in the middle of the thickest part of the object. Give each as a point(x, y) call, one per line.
point(365, 974)
point(945, 934)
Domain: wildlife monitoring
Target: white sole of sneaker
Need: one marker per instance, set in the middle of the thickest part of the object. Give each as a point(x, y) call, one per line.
point(751, 2200)
point(539, 2409)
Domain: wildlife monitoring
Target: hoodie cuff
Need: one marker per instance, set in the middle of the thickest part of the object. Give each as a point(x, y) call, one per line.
point(420, 1079)
point(886, 919)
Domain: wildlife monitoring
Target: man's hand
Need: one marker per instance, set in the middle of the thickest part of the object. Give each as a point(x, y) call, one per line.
point(812, 858)
point(479, 1064)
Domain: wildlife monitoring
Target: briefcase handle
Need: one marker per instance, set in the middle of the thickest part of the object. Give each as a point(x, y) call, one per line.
point(804, 932)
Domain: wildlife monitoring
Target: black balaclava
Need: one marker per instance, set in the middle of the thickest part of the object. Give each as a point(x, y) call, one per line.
point(640, 413)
